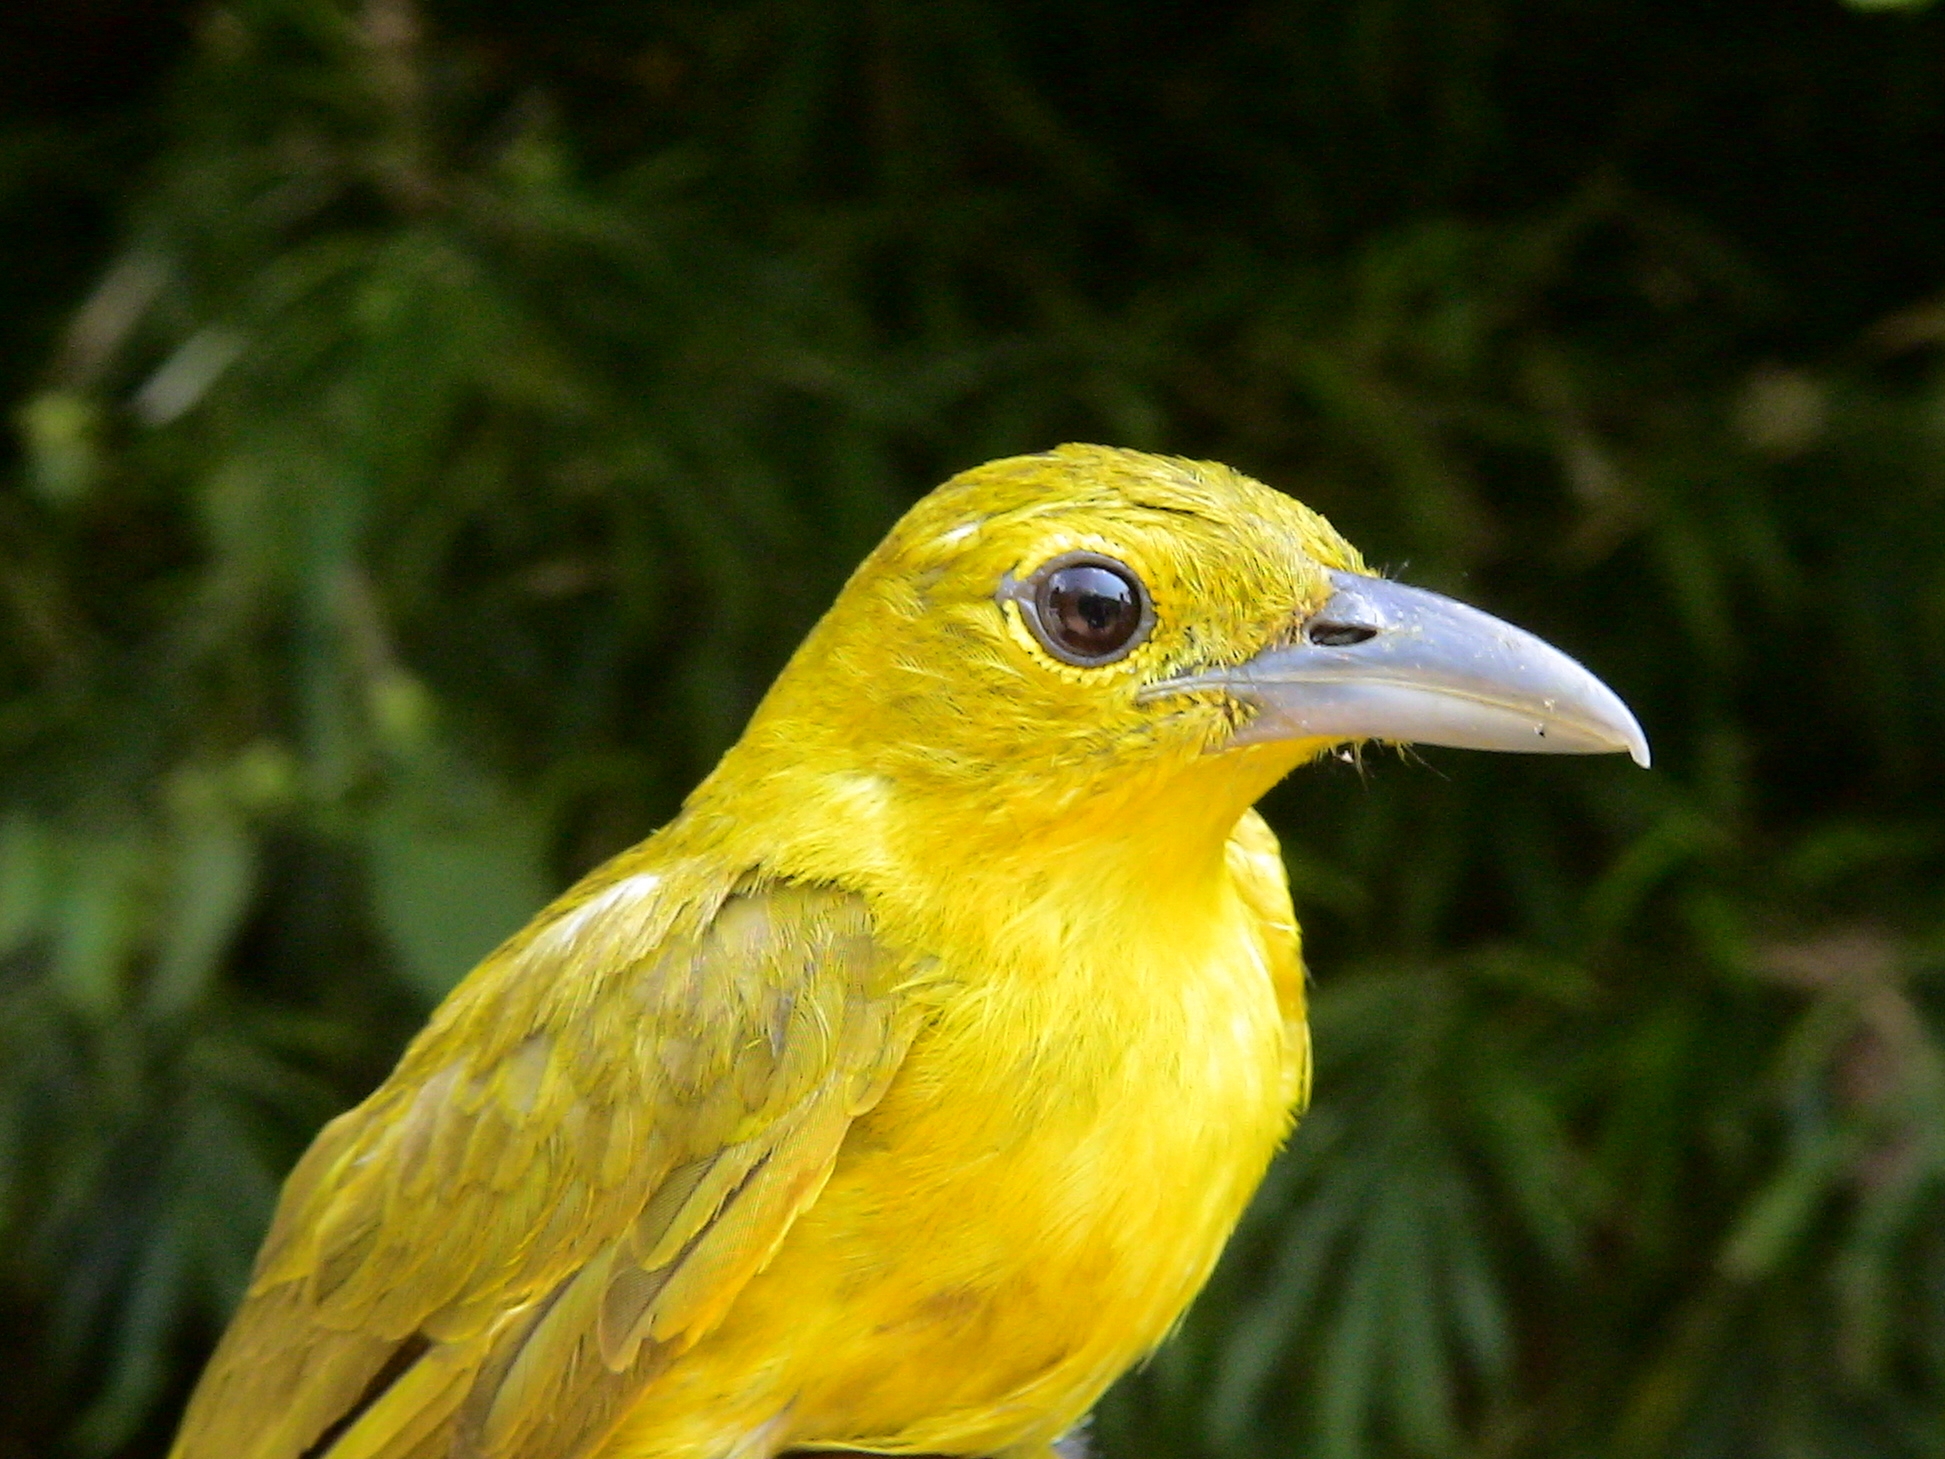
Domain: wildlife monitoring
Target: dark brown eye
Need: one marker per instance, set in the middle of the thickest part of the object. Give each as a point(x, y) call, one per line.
point(1087, 609)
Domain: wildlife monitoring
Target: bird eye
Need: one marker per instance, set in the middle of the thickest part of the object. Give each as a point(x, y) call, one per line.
point(1087, 609)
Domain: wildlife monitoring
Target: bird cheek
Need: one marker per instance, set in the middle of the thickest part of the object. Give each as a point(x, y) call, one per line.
point(1189, 730)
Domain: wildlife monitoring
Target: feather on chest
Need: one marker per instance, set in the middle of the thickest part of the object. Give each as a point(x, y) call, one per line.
point(1158, 1055)
point(1026, 1213)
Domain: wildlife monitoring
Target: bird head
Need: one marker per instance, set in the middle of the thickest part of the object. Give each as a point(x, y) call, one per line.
point(1051, 647)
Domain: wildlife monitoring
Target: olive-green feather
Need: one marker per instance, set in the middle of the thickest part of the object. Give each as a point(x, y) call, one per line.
point(568, 1177)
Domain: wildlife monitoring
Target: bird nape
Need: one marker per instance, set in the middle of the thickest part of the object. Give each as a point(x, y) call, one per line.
point(899, 1094)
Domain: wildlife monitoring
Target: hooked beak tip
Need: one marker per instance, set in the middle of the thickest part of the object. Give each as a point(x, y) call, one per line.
point(1637, 746)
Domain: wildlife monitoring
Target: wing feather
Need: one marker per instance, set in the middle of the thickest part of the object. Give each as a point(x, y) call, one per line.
point(599, 1138)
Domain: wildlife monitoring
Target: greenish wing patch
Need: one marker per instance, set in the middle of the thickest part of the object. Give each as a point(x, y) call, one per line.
point(603, 1134)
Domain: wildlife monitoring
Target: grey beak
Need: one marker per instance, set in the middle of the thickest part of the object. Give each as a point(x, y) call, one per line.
point(1381, 661)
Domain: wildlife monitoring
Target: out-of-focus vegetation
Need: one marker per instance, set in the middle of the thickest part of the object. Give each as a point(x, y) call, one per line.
point(432, 426)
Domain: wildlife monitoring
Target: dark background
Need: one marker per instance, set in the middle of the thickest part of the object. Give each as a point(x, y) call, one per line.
point(430, 428)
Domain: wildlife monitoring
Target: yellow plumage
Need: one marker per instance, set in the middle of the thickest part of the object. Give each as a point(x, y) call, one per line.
point(896, 1096)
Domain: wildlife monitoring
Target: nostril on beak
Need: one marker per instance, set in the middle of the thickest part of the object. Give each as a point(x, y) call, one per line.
point(1325, 633)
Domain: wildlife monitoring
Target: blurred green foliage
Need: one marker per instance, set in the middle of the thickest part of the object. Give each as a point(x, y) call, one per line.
point(433, 427)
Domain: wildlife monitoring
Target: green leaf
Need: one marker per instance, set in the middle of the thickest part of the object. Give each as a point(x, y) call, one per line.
point(100, 919)
point(213, 874)
point(27, 874)
point(455, 870)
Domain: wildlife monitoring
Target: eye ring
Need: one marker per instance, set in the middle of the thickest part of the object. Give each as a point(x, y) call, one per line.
point(1084, 608)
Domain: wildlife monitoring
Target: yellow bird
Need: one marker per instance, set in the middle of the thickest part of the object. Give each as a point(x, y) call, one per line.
point(900, 1093)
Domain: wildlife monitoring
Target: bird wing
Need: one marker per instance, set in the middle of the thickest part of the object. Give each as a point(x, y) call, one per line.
point(601, 1136)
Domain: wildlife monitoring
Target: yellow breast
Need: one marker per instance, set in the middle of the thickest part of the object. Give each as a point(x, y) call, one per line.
point(1038, 1196)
